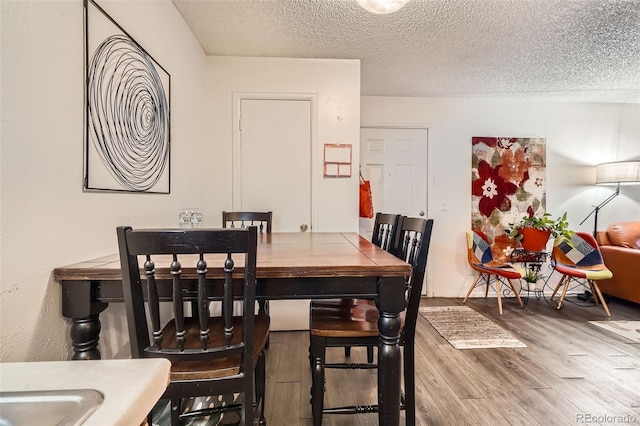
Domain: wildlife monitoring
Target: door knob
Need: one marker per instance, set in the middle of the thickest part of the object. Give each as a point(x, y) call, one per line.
point(304, 227)
point(421, 212)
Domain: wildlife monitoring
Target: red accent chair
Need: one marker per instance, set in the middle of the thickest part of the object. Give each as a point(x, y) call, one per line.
point(580, 260)
point(481, 260)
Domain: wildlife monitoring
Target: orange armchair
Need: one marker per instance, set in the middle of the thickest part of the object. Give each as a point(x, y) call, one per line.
point(620, 248)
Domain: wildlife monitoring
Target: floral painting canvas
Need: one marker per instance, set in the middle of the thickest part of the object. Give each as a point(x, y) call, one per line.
point(508, 182)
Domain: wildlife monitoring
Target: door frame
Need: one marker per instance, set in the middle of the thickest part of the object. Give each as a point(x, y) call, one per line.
point(236, 168)
point(429, 287)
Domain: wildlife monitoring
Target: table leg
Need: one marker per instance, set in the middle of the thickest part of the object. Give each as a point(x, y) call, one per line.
point(79, 305)
point(389, 365)
point(85, 334)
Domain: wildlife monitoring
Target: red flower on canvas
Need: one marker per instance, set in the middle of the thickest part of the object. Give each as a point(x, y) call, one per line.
point(515, 166)
point(492, 189)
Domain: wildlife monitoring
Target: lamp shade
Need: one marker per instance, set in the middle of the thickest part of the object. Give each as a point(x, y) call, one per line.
point(618, 172)
point(382, 7)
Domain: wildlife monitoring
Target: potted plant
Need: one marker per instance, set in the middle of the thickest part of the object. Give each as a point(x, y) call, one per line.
point(532, 276)
point(533, 232)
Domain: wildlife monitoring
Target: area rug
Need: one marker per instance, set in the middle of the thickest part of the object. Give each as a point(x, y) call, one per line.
point(465, 328)
point(627, 329)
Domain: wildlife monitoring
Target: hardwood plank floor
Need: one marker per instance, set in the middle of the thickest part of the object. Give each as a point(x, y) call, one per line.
point(571, 372)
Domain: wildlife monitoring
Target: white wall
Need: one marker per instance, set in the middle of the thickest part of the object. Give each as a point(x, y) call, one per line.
point(48, 221)
point(336, 84)
point(46, 218)
point(578, 136)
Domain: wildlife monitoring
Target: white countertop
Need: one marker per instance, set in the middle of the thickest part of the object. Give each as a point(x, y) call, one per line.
point(130, 387)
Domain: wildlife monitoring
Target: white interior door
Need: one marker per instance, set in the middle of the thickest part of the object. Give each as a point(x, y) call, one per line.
point(275, 156)
point(272, 172)
point(395, 161)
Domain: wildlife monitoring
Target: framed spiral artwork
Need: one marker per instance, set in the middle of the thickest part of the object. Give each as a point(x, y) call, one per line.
point(127, 105)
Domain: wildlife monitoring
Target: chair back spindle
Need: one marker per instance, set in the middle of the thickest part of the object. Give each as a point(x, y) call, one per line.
point(178, 302)
point(154, 305)
point(228, 299)
point(203, 303)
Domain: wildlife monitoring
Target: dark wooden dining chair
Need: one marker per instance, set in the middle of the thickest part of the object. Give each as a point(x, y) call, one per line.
point(358, 325)
point(385, 226)
point(210, 355)
point(262, 220)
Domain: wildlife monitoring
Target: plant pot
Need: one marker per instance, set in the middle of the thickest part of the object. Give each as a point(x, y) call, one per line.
point(534, 239)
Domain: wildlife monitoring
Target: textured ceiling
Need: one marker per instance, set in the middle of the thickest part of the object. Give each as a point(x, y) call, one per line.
point(576, 50)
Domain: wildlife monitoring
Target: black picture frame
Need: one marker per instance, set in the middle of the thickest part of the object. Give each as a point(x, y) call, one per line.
point(127, 100)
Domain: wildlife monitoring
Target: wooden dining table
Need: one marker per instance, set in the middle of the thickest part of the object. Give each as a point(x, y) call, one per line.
point(303, 265)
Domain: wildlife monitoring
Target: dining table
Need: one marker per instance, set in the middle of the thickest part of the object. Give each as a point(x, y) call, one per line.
point(296, 265)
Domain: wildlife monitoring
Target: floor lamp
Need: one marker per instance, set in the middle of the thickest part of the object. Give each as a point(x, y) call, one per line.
point(613, 173)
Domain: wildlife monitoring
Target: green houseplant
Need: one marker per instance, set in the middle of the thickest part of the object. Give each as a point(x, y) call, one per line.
point(532, 276)
point(533, 232)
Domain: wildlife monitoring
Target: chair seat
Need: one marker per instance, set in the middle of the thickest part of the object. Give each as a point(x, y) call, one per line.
point(595, 272)
point(221, 367)
point(354, 321)
point(505, 270)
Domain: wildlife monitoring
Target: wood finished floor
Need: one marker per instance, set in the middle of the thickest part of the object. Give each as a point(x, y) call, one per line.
point(569, 373)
